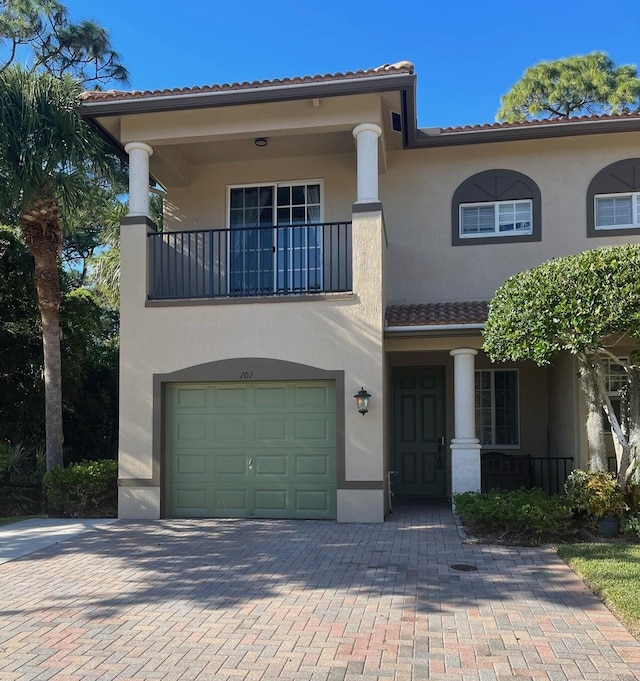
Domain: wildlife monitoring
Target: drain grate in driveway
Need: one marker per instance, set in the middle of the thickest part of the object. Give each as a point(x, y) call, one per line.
point(463, 567)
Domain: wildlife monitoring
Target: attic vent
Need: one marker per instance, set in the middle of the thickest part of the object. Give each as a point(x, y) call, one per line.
point(396, 122)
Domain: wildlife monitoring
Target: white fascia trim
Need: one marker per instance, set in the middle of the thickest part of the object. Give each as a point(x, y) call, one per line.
point(425, 328)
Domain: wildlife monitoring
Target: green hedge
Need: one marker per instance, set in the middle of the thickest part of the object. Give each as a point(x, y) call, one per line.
point(518, 516)
point(85, 489)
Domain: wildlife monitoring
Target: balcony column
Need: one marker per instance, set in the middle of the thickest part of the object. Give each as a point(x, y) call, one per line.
point(366, 135)
point(139, 153)
point(465, 446)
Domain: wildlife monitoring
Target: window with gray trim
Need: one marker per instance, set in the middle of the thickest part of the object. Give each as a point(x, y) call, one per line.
point(613, 199)
point(615, 382)
point(497, 422)
point(496, 206)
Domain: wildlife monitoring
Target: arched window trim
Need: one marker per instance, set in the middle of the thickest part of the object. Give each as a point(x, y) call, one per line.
point(618, 178)
point(494, 187)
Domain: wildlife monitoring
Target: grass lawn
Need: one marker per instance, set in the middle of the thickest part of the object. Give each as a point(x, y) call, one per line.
point(15, 519)
point(613, 572)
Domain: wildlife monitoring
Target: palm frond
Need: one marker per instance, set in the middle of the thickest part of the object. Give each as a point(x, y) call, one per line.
point(46, 150)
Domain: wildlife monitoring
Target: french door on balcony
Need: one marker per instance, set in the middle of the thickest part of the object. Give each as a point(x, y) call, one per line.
point(275, 243)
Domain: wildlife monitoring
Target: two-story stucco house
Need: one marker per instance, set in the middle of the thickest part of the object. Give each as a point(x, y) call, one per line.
point(317, 243)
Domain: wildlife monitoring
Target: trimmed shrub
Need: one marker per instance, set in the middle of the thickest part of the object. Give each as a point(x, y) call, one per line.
point(86, 489)
point(597, 494)
point(631, 525)
point(576, 488)
point(525, 516)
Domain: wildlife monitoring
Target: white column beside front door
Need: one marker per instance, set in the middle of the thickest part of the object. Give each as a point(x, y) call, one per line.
point(465, 446)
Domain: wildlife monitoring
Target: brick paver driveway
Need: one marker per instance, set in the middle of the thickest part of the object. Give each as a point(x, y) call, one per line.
point(256, 600)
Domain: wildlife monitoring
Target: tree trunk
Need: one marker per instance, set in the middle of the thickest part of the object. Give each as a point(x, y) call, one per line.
point(595, 433)
point(633, 397)
point(623, 461)
point(42, 232)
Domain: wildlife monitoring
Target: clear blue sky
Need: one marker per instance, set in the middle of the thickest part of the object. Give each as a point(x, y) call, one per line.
point(466, 54)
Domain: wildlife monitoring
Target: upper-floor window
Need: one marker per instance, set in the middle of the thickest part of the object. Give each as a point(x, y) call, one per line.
point(496, 206)
point(496, 219)
point(615, 211)
point(613, 199)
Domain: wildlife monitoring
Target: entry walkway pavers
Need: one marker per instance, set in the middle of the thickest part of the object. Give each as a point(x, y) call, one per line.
point(302, 600)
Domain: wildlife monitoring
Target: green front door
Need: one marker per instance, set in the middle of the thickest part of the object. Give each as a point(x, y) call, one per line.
point(251, 449)
point(419, 426)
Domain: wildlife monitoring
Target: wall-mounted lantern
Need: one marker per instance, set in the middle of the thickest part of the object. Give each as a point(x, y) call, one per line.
point(362, 398)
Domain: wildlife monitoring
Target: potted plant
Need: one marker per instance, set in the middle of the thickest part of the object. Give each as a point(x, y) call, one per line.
point(604, 500)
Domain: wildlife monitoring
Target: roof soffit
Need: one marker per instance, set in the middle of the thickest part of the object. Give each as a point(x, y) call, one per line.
point(255, 120)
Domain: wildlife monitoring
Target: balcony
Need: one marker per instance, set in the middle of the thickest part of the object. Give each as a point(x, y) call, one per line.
point(256, 261)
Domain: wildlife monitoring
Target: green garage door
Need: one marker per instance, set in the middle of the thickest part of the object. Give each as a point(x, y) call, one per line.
point(263, 450)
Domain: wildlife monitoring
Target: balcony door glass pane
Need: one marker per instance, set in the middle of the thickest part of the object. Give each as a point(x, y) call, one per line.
point(299, 248)
point(251, 250)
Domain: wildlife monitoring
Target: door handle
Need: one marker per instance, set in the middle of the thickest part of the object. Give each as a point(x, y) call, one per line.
point(250, 464)
point(440, 450)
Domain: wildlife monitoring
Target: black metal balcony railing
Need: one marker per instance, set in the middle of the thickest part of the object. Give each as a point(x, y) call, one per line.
point(283, 260)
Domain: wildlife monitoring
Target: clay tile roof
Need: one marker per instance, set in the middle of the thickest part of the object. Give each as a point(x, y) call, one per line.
point(543, 121)
point(433, 314)
point(401, 67)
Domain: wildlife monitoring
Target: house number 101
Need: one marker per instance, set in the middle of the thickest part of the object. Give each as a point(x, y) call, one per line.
point(245, 375)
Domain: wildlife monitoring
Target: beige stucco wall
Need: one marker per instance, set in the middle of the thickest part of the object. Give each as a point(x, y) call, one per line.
point(565, 416)
point(346, 332)
point(203, 204)
point(533, 395)
point(342, 333)
point(418, 188)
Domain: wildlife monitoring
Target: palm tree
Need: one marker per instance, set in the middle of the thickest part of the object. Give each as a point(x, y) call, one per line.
point(48, 156)
point(103, 275)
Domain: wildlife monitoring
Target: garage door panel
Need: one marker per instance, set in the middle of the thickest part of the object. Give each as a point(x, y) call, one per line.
point(313, 430)
point(316, 466)
point(190, 397)
point(268, 431)
point(229, 464)
point(313, 500)
point(191, 499)
point(276, 464)
point(190, 431)
point(268, 501)
point(191, 464)
point(313, 396)
point(251, 450)
point(230, 398)
point(230, 502)
point(270, 397)
point(229, 430)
